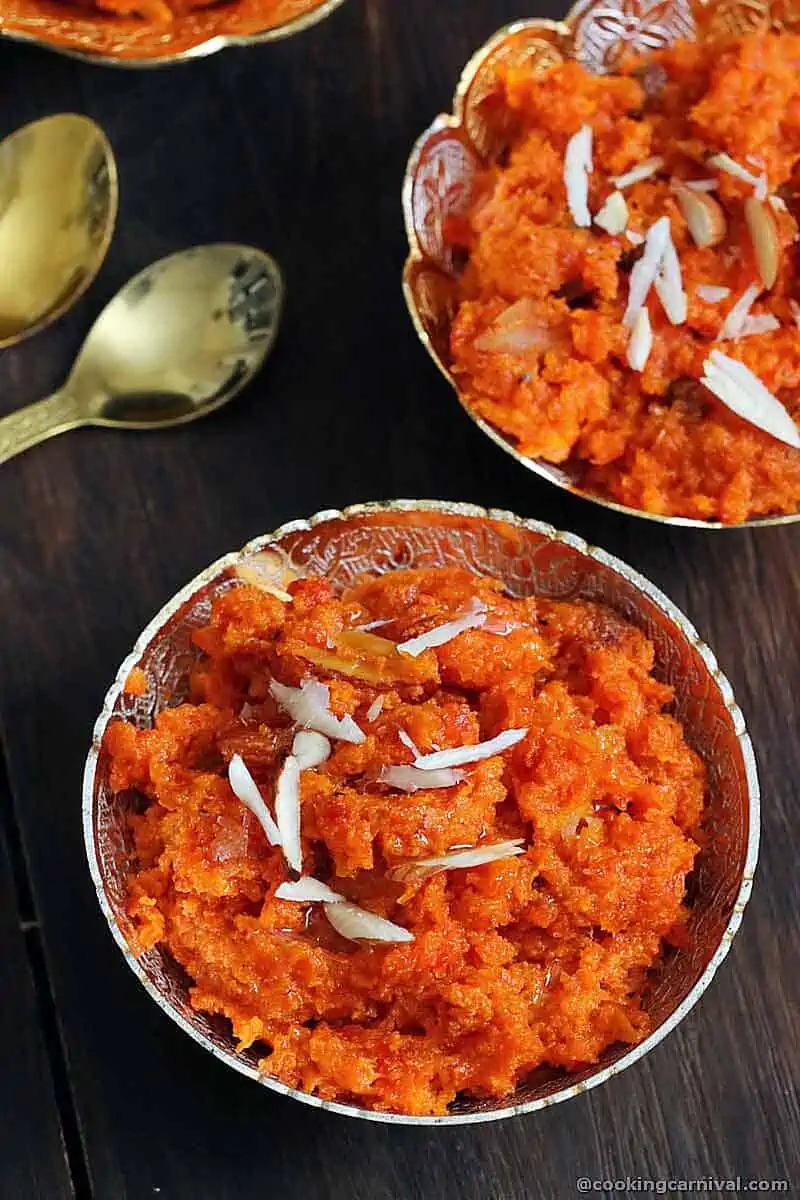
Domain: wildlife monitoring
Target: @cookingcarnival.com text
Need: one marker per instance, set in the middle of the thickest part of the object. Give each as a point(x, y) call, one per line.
point(709, 1185)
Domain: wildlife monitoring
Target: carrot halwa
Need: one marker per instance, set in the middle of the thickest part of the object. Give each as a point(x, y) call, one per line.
point(201, 17)
point(540, 345)
point(537, 959)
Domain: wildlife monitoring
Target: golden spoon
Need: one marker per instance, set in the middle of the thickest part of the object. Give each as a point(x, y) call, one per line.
point(58, 205)
point(179, 340)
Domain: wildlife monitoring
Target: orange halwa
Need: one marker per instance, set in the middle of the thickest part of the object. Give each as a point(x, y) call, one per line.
point(535, 960)
point(558, 385)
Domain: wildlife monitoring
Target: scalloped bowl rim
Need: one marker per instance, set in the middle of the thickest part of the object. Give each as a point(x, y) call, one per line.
point(609, 561)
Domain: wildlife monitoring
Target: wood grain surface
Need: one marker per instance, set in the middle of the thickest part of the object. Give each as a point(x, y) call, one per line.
point(300, 148)
point(33, 1160)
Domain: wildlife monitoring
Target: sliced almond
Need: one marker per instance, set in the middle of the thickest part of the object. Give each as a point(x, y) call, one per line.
point(640, 342)
point(743, 393)
point(577, 169)
point(724, 162)
point(703, 214)
point(642, 170)
point(366, 643)
point(763, 231)
point(268, 571)
point(613, 216)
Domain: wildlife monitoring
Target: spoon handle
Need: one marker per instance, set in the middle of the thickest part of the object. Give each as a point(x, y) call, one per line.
point(23, 429)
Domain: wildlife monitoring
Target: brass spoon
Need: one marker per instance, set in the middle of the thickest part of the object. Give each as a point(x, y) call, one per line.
point(179, 340)
point(58, 205)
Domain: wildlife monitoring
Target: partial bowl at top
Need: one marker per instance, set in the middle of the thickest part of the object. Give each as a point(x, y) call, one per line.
point(99, 34)
point(448, 158)
point(530, 558)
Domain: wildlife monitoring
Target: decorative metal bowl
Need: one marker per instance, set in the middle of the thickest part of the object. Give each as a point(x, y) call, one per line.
point(446, 159)
point(103, 37)
point(531, 558)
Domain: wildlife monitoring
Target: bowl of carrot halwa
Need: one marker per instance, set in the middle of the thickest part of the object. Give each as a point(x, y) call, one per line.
point(604, 257)
point(422, 813)
point(150, 33)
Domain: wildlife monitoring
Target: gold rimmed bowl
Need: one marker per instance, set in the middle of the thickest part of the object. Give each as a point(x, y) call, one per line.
point(103, 37)
point(445, 162)
point(531, 558)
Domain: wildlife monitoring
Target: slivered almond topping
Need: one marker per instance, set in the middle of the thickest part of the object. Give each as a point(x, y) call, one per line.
point(363, 642)
point(733, 323)
point(643, 170)
point(724, 162)
point(308, 890)
point(415, 779)
point(703, 214)
point(267, 571)
point(287, 812)
point(777, 203)
point(669, 285)
point(709, 293)
point(309, 705)
point(358, 924)
point(613, 216)
point(744, 394)
point(473, 618)
point(635, 239)
point(700, 185)
point(763, 323)
point(577, 169)
point(460, 860)
point(246, 789)
point(311, 749)
point(645, 268)
point(374, 710)
point(460, 755)
point(408, 742)
point(794, 309)
point(763, 231)
point(640, 342)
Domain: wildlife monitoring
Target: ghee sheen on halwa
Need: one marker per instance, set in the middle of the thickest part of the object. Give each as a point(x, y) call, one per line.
point(538, 958)
point(542, 346)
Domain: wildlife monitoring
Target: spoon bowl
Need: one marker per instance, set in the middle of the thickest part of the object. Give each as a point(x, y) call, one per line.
point(58, 205)
point(179, 340)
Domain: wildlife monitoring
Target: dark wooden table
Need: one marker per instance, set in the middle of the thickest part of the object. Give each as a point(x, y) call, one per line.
point(300, 148)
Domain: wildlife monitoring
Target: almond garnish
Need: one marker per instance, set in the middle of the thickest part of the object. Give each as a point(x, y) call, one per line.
point(642, 170)
point(709, 293)
point(645, 268)
point(309, 706)
point(308, 890)
point(577, 169)
point(669, 285)
point(724, 162)
point(267, 571)
point(734, 322)
point(763, 231)
point(415, 779)
point(613, 216)
point(703, 214)
point(744, 394)
point(472, 618)
point(640, 342)
point(457, 756)
point(359, 923)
